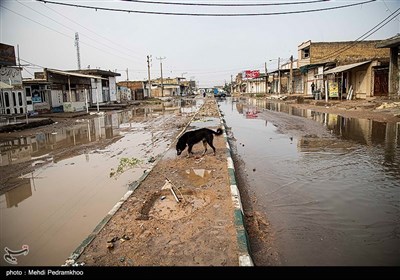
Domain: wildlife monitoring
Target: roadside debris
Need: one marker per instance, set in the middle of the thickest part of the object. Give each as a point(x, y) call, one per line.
point(125, 164)
point(125, 238)
point(168, 185)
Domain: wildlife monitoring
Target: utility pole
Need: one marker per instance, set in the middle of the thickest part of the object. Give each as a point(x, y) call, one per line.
point(127, 75)
point(26, 102)
point(231, 85)
point(77, 50)
point(291, 75)
point(162, 84)
point(266, 78)
point(279, 76)
point(148, 74)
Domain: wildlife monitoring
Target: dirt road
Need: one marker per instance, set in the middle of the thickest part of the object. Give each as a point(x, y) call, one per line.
point(152, 229)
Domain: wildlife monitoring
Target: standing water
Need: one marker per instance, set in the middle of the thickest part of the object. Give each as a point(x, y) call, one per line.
point(55, 207)
point(330, 186)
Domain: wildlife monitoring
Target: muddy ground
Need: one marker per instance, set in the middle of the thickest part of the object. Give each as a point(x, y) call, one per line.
point(152, 229)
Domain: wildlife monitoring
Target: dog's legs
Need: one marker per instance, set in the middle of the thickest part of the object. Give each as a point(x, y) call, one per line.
point(210, 142)
point(205, 146)
point(190, 150)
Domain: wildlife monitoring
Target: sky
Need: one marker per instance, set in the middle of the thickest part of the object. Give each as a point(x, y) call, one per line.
point(210, 50)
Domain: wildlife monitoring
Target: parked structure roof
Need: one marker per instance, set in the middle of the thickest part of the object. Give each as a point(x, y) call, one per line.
point(343, 68)
point(65, 73)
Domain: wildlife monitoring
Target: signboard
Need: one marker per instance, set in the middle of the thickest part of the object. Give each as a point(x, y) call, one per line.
point(10, 75)
point(251, 74)
point(7, 55)
point(36, 98)
point(333, 89)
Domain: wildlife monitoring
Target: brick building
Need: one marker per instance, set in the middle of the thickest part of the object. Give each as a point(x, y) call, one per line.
point(336, 68)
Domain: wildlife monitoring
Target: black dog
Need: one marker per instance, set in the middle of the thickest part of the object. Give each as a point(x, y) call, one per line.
point(190, 138)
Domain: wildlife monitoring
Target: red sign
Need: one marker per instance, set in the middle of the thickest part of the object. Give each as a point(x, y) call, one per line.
point(252, 74)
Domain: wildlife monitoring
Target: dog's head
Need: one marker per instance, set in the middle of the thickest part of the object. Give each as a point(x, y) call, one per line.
point(180, 146)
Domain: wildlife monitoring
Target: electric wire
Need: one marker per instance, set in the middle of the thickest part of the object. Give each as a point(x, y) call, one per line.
point(205, 14)
point(226, 5)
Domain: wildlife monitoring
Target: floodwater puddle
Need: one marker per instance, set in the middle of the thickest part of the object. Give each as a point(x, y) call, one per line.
point(198, 177)
point(364, 131)
point(329, 185)
point(56, 206)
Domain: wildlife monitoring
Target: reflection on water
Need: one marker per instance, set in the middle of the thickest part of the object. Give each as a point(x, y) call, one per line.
point(331, 200)
point(198, 177)
point(85, 131)
point(363, 131)
point(55, 207)
point(17, 195)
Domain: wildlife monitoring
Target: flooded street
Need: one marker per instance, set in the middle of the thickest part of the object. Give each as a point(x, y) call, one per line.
point(330, 186)
point(55, 207)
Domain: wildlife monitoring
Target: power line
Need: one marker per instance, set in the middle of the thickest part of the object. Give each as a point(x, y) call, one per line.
point(31, 63)
point(65, 26)
point(101, 36)
point(68, 36)
point(226, 5)
point(363, 36)
point(205, 14)
point(383, 1)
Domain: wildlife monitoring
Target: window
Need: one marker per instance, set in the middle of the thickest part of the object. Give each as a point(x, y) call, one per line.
point(305, 53)
point(6, 98)
point(14, 99)
point(28, 91)
point(20, 98)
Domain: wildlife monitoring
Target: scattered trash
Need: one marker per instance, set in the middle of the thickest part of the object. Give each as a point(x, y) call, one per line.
point(199, 160)
point(37, 162)
point(254, 170)
point(125, 237)
point(125, 164)
point(69, 262)
point(168, 185)
point(113, 239)
point(163, 197)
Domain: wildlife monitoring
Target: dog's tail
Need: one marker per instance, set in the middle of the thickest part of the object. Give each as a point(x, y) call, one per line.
point(218, 132)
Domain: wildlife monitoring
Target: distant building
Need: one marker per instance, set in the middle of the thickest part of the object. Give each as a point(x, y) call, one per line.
point(393, 44)
point(71, 91)
point(137, 89)
point(12, 97)
point(338, 67)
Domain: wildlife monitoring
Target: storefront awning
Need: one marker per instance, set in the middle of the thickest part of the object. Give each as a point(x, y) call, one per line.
point(64, 73)
point(343, 68)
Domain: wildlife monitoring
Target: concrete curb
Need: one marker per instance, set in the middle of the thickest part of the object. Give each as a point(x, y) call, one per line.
point(131, 188)
point(242, 238)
